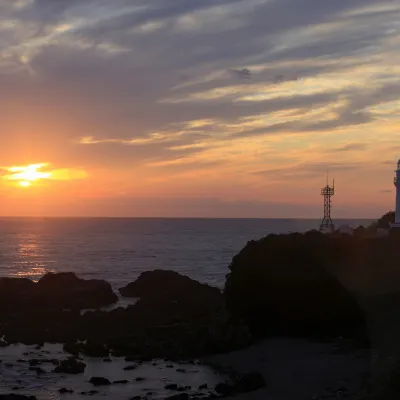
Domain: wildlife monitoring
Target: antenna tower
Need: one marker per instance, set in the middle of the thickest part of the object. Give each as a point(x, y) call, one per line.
point(327, 191)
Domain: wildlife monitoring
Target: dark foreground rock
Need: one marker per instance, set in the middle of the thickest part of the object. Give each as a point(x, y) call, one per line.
point(54, 291)
point(70, 366)
point(99, 381)
point(182, 319)
point(16, 397)
point(66, 290)
point(280, 286)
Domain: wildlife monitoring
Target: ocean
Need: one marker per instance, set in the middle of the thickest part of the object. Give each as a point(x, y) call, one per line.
point(119, 249)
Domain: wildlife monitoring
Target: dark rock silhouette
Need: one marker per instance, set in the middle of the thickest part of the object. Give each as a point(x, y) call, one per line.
point(66, 290)
point(70, 366)
point(99, 381)
point(280, 286)
point(55, 291)
point(65, 390)
point(16, 397)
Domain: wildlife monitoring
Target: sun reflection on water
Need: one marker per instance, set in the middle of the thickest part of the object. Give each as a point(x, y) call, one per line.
point(29, 258)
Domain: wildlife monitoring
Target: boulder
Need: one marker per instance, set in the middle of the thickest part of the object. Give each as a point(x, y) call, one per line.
point(16, 397)
point(167, 284)
point(65, 391)
point(224, 389)
point(54, 291)
point(280, 285)
point(70, 366)
point(66, 290)
point(99, 381)
point(171, 386)
point(169, 298)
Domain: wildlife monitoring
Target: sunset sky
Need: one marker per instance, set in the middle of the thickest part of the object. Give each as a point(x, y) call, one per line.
point(203, 108)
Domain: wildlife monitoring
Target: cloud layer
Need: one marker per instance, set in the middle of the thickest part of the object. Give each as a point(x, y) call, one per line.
point(226, 100)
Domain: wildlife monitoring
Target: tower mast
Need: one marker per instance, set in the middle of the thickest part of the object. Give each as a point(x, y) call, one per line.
point(327, 192)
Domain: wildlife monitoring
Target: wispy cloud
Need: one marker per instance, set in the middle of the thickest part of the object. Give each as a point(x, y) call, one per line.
point(250, 87)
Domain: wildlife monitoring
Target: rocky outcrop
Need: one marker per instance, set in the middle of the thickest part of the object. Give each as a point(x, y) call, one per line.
point(66, 290)
point(280, 286)
point(167, 284)
point(99, 381)
point(70, 366)
point(54, 291)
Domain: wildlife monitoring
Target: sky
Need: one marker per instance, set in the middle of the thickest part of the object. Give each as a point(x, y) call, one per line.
point(198, 108)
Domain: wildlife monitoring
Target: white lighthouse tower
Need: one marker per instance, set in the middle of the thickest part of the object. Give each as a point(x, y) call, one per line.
point(396, 224)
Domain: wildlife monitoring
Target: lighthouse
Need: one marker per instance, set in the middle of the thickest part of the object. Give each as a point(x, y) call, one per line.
point(396, 224)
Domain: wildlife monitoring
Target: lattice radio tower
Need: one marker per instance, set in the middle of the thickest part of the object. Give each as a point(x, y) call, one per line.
point(327, 192)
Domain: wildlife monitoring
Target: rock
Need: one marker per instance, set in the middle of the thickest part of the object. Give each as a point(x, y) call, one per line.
point(55, 291)
point(181, 370)
point(64, 391)
point(250, 382)
point(274, 282)
point(204, 386)
point(99, 381)
point(176, 312)
point(70, 366)
point(180, 396)
point(130, 367)
point(167, 284)
point(107, 360)
point(224, 389)
point(66, 290)
point(171, 386)
point(140, 379)
point(16, 397)
point(122, 382)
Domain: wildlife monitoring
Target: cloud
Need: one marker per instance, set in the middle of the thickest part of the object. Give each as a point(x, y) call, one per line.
point(177, 85)
point(244, 73)
point(350, 147)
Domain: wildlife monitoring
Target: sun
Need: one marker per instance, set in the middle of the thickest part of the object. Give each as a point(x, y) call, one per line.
point(27, 175)
point(25, 183)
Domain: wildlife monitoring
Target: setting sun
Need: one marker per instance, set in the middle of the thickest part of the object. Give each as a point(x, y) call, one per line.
point(26, 175)
point(25, 183)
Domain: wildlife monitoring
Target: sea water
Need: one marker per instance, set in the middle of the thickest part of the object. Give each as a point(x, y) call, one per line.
point(119, 249)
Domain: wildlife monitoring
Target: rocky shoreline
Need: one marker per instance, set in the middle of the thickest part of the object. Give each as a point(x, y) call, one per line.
point(280, 286)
